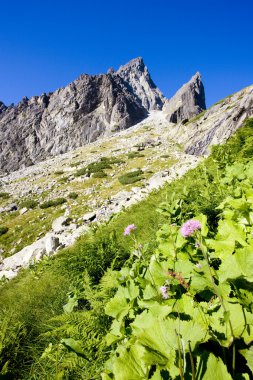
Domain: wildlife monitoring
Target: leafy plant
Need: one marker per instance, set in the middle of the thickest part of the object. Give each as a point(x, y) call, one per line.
point(53, 203)
point(73, 195)
point(131, 177)
point(190, 303)
point(3, 230)
point(4, 195)
point(29, 203)
point(101, 174)
point(135, 154)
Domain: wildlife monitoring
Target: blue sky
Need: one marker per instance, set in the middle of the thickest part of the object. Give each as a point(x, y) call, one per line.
point(46, 44)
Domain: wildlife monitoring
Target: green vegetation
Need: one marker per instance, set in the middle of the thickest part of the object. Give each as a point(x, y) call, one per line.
point(100, 174)
point(98, 307)
point(29, 203)
point(131, 177)
point(3, 230)
point(73, 195)
point(59, 172)
point(4, 195)
point(98, 167)
point(196, 118)
point(53, 203)
point(135, 154)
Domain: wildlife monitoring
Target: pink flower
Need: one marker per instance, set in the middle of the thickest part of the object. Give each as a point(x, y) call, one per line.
point(129, 229)
point(164, 292)
point(189, 227)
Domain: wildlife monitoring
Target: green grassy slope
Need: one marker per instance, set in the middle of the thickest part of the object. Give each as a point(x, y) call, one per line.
point(41, 340)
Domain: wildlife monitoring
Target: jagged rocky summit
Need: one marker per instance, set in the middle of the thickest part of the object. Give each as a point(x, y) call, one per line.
point(89, 107)
point(189, 101)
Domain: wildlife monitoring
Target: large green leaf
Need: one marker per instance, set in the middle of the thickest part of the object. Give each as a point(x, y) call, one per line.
point(212, 369)
point(118, 307)
point(129, 364)
point(231, 231)
point(161, 335)
point(238, 265)
point(248, 354)
point(157, 272)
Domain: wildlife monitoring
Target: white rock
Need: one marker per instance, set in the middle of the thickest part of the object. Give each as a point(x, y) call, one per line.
point(59, 224)
point(51, 243)
point(9, 274)
point(89, 216)
point(23, 210)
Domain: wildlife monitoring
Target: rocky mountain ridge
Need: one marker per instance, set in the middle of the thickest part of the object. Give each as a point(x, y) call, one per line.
point(188, 101)
point(80, 113)
point(152, 145)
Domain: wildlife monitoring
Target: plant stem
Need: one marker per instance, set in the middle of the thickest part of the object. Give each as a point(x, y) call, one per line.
point(179, 357)
point(216, 291)
point(192, 362)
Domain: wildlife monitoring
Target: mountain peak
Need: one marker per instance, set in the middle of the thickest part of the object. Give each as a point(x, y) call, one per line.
point(135, 63)
point(188, 101)
point(136, 76)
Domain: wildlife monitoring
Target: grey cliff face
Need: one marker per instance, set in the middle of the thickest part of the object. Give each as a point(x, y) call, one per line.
point(216, 125)
point(189, 101)
point(137, 78)
point(2, 107)
point(89, 107)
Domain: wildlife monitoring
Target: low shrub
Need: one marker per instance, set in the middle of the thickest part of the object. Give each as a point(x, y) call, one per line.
point(59, 172)
point(29, 203)
point(101, 174)
point(80, 172)
point(3, 230)
point(63, 180)
point(4, 195)
point(53, 202)
point(98, 167)
point(73, 195)
point(131, 177)
point(135, 155)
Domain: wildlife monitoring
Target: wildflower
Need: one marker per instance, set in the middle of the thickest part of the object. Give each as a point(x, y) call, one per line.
point(129, 229)
point(189, 227)
point(164, 292)
point(198, 265)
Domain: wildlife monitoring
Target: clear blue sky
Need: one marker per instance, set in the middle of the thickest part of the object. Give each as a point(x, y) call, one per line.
point(46, 44)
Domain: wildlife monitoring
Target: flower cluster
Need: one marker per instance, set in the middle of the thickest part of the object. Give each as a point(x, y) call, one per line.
point(164, 292)
point(129, 229)
point(189, 227)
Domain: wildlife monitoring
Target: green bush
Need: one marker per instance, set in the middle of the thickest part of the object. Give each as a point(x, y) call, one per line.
point(135, 155)
point(80, 172)
point(131, 177)
point(54, 202)
point(98, 167)
point(59, 172)
point(73, 195)
point(165, 156)
point(100, 174)
point(3, 230)
point(30, 204)
point(4, 195)
point(57, 348)
point(63, 180)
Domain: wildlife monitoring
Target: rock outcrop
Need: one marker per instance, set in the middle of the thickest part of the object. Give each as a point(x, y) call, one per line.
point(89, 107)
point(137, 78)
point(2, 107)
point(216, 125)
point(189, 101)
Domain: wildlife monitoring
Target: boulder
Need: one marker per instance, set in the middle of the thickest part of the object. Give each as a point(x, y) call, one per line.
point(89, 217)
point(60, 224)
point(189, 101)
point(51, 243)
